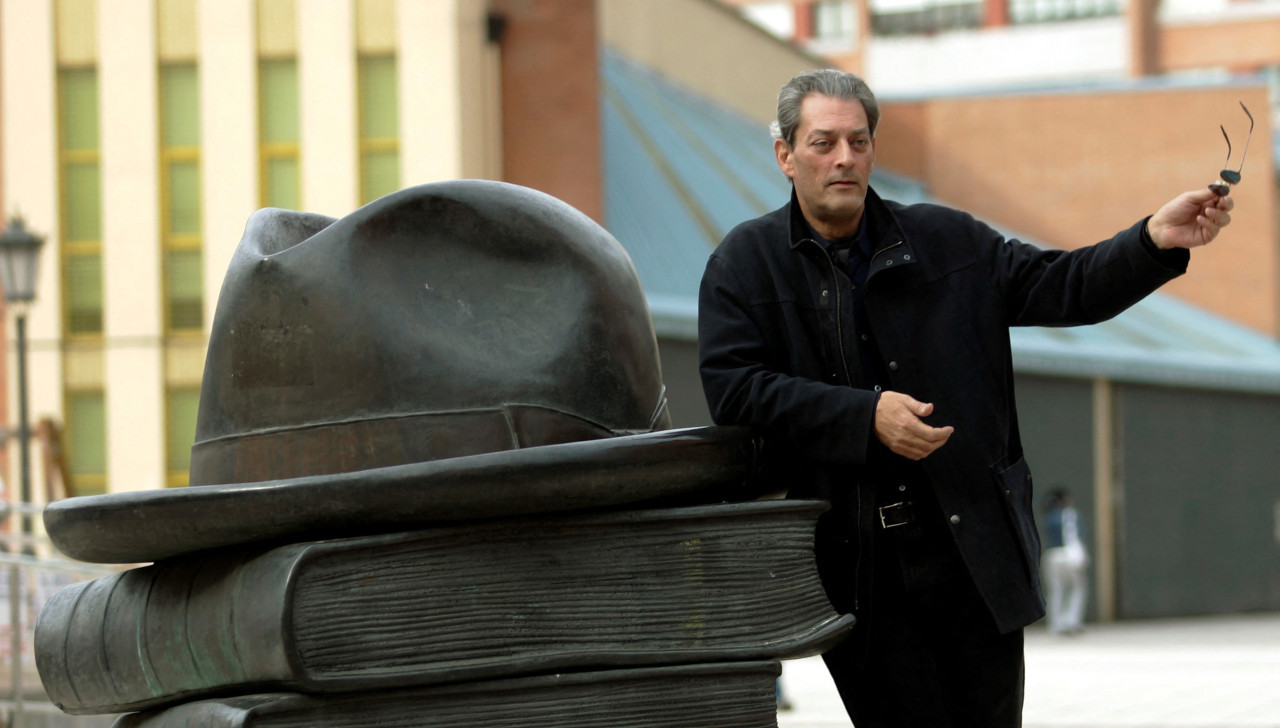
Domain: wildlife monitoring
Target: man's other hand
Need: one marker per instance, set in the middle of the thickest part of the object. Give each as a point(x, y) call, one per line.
point(1190, 220)
point(901, 427)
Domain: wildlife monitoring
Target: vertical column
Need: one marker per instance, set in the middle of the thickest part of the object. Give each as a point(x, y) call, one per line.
point(228, 133)
point(132, 319)
point(449, 105)
point(1104, 503)
point(430, 94)
point(995, 13)
point(29, 163)
point(1144, 37)
point(481, 105)
point(327, 98)
point(803, 10)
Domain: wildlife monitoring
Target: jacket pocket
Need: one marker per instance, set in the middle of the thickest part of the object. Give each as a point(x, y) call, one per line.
point(1015, 490)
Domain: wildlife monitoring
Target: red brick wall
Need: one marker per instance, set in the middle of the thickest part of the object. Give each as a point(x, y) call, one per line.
point(1070, 169)
point(550, 100)
point(1240, 45)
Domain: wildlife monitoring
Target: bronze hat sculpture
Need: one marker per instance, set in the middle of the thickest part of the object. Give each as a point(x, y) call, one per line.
point(456, 350)
point(440, 321)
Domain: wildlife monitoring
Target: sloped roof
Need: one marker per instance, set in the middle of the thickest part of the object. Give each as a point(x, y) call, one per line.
point(680, 171)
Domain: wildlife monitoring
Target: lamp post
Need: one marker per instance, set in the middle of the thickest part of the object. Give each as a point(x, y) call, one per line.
point(19, 256)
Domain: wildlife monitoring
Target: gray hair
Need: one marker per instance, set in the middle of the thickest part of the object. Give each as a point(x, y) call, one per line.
point(825, 81)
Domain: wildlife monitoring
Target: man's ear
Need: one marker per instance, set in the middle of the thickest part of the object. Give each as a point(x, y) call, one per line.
point(782, 151)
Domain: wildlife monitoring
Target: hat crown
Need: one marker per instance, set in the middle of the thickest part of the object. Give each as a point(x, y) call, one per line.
point(442, 320)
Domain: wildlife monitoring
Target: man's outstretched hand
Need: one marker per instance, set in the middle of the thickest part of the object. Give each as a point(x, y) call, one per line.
point(1190, 220)
point(902, 429)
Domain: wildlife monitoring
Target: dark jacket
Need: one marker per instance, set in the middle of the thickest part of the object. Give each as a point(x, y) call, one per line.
point(778, 350)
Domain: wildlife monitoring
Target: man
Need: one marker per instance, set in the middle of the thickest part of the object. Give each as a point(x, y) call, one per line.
point(869, 342)
point(1065, 564)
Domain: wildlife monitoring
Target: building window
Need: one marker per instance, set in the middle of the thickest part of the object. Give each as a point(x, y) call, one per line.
point(278, 122)
point(81, 183)
point(379, 127)
point(181, 406)
point(1048, 11)
point(86, 437)
point(924, 17)
point(833, 20)
point(180, 198)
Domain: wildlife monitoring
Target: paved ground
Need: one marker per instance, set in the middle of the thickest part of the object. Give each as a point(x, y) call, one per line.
point(1214, 672)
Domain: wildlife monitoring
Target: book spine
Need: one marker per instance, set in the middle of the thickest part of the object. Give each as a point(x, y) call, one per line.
point(165, 631)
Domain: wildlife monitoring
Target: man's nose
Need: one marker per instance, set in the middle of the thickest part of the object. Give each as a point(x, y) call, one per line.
point(844, 153)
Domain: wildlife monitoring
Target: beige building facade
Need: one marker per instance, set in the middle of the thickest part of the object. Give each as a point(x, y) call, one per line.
point(138, 136)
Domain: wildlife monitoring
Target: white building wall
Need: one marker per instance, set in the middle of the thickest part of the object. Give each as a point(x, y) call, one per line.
point(1028, 54)
point(1217, 10)
point(430, 120)
point(132, 324)
point(327, 99)
point(228, 134)
point(448, 128)
point(30, 148)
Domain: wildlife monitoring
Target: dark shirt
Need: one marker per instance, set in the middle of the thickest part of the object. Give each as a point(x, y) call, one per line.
point(853, 255)
point(897, 480)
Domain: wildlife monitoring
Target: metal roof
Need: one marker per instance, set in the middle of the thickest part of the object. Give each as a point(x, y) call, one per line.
point(680, 171)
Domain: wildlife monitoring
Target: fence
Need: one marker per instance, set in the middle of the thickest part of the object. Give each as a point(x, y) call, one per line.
point(31, 570)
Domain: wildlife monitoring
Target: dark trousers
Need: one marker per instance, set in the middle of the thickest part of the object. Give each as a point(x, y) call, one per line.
point(933, 656)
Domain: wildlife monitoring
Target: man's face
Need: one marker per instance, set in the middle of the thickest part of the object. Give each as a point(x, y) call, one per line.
point(830, 163)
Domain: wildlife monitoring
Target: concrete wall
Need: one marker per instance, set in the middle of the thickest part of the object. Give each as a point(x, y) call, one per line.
point(994, 57)
point(685, 400)
point(700, 43)
point(1199, 503)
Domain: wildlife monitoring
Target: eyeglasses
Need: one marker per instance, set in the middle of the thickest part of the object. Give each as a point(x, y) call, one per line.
point(1228, 177)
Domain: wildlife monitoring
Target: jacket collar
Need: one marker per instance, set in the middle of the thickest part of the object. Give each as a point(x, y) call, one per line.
point(889, 245)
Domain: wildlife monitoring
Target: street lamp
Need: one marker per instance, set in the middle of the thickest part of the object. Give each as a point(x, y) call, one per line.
point(19, 256)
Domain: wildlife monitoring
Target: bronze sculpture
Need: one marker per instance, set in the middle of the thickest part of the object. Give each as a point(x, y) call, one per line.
point(454, 364)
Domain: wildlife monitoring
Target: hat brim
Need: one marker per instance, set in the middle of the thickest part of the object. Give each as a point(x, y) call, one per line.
point(676, 466)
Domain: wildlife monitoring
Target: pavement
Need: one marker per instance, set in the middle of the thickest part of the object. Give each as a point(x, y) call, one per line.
point(1196, 672)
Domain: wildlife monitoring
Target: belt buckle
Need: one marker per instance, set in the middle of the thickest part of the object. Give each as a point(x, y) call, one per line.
point(899, 512)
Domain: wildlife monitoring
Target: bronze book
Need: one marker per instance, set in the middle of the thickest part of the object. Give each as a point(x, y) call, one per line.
point(457, 603)
point(724, 695)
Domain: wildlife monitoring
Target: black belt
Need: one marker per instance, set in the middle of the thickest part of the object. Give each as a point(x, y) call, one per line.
point(895, 514)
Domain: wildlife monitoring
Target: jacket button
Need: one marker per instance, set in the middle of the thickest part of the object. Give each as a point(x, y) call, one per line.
point(893, 366)
point(954, 520)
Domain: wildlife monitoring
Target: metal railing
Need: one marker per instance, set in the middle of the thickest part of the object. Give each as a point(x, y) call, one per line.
point(33, 572)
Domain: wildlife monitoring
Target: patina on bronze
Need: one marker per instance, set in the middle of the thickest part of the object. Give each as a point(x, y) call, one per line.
point(463, 349)
point(443, 320)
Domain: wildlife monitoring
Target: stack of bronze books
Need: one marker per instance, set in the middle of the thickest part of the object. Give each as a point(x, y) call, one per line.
point(361, 549)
